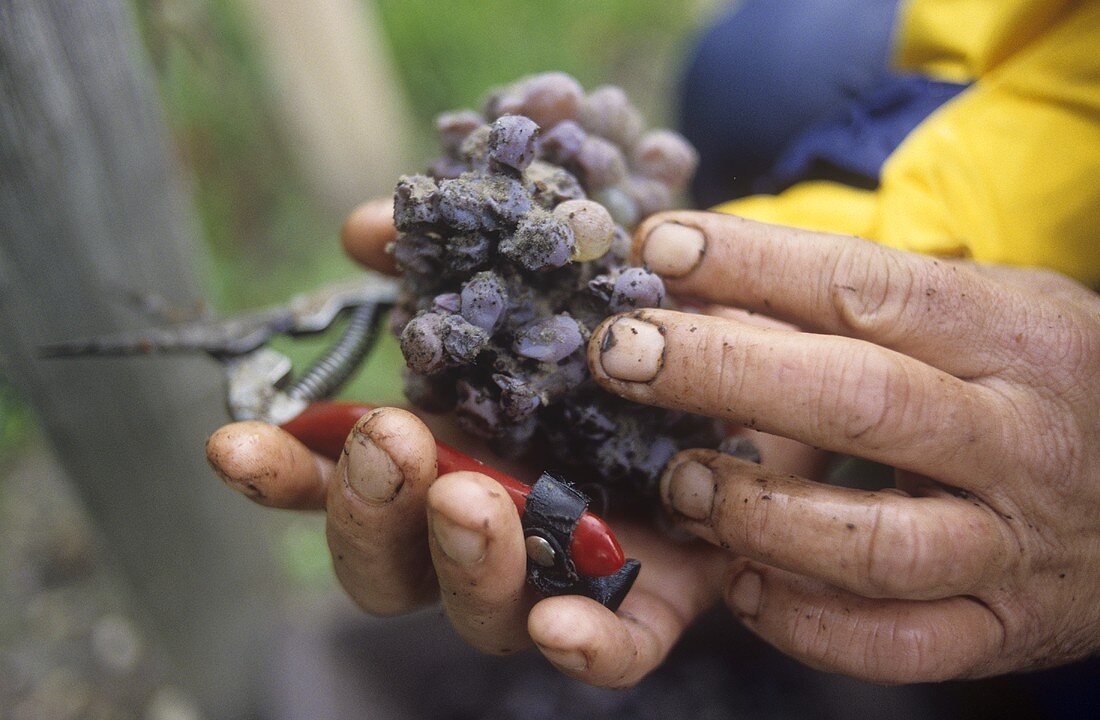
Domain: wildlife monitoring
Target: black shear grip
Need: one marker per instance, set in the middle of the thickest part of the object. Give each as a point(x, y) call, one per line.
point(553, 508)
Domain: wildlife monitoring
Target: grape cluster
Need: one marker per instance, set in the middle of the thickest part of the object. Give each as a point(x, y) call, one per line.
point(514, 247)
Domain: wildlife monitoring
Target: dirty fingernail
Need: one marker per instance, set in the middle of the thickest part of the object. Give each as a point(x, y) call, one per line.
point(745, 593)
point(673, 250)
point(689, 489)
point(370, 471)
point(460, 544)
point(566, 659)
point(632, 350)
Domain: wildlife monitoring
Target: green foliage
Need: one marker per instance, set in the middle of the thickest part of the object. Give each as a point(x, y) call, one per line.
point(15, 421)
point(450, 53)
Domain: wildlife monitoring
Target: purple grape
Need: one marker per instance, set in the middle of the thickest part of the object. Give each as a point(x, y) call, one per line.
point(422, 344)
point(505, 201)
point(474, 202)
point(476, 410)
point(550, 185)
point(447, 303)
point(608, 112)
point(504, 284)
point(541, 242)
point(649, 196)
point(460, 204)
point(467, 253)
point(453, 127)
point(621, 206)
point(666, 156)
point(512, 141)
point(462, 341)
point(551, 98)
point(446, 168)
point(415, 202)
point(417, 254)
point(560, 145)
point(636, 288)
point(517, 398)
point(484, 300)
point(599, 163)
point(549, 340)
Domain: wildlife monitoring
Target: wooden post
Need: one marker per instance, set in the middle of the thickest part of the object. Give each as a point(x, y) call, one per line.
point(336, 94)
point(91, 206)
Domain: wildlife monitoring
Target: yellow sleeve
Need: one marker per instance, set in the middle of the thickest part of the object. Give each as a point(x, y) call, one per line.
point(1007, 172)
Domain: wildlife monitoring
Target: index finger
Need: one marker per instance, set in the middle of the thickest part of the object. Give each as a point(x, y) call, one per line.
point(943, 313)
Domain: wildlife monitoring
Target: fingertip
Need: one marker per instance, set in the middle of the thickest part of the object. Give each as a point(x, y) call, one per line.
point(268, 465)
point(367, 232)
point(470, 499)
point(642, 232)
point(627, 348)
point(688, 485)
point(566, 630)
point(388, 449)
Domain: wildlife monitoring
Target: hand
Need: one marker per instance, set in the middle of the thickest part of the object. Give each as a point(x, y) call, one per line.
point(981, 385)
point(401, 538)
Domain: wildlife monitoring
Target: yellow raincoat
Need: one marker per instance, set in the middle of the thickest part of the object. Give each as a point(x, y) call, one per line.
point(1006, 172)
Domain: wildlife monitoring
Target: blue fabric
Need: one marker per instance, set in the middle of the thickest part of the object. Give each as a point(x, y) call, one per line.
point(859, 138)
point(767, 71)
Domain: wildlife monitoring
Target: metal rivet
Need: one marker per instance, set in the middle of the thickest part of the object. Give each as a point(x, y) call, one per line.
point(540, 551)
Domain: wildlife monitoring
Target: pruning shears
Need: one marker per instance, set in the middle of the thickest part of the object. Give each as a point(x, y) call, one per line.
point(569, 549)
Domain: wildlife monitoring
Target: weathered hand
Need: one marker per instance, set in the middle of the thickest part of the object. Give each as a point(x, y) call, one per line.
point(401, 538)
point(981, 385)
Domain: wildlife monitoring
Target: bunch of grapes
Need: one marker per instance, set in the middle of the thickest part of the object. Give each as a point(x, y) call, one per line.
point(514, 247)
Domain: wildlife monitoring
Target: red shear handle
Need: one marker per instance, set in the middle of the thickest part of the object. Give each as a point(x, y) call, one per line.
point(324, 426)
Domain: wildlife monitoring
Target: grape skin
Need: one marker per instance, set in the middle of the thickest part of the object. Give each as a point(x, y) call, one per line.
point(483, 301)
point(636, 288)
point(549, 340)
point(540, 242)
point(513, 142)
point(592, 227)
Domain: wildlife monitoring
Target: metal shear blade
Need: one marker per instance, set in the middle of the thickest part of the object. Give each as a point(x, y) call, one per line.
point(259, 377)
point(240, 334)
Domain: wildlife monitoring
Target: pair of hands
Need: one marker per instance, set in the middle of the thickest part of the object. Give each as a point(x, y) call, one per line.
point(980, 384)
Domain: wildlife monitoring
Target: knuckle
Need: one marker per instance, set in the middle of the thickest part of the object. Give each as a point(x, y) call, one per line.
point(808, 636)
point(905, 653)
point(1054, 345)
point(896, 555)
point(866, 397)
point(872, 289)
point(926, 556)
